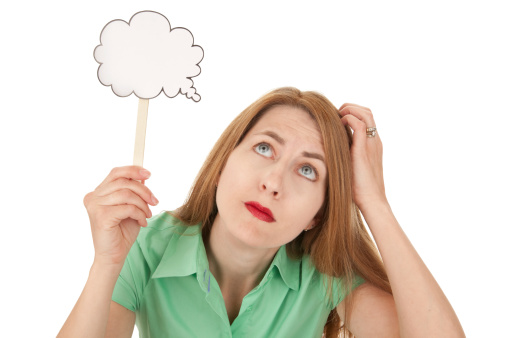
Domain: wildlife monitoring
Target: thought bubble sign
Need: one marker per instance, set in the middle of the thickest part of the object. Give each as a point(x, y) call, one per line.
point(146, 57)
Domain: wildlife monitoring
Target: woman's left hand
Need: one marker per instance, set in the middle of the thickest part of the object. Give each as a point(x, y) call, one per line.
point(366, 153)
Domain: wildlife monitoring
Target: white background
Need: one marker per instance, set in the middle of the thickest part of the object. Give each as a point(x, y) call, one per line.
point(434, 74)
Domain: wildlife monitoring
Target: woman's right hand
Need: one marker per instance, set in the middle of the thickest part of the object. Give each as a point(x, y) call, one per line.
point(117, 208)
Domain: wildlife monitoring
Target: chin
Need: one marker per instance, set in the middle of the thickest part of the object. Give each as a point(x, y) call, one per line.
point(252, 233)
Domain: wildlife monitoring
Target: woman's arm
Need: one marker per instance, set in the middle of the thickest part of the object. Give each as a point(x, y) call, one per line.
point(422, 310)
point(94, 311)
point(373, 313)
point(117, 209)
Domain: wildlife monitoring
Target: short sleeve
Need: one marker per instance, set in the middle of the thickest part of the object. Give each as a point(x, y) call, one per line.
point(339, 291)
point(133, 278)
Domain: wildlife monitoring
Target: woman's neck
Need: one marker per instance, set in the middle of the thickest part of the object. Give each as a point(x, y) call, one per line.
point(235, 265)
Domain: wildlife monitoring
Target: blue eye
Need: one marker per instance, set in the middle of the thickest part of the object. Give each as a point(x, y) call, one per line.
point(308, 172)
point(264, 149)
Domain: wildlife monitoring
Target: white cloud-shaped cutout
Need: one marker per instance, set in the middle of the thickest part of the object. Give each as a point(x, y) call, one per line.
point(145, 57)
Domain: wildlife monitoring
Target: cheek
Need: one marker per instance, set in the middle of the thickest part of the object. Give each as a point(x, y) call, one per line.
point(309, 203)
point(238, 170)
point(231, 181)
point(229, 172)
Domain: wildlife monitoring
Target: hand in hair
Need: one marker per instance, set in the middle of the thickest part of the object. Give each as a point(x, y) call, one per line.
point(426, 313)
point(366, 153)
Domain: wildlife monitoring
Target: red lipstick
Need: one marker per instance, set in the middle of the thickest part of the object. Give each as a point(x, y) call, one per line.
point(260, 212)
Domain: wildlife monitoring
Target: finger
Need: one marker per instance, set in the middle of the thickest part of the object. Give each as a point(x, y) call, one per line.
point(124, 197)
point(121, 212)
point(131, 172)
point(359, 128)
point(125, 183)
point(362, 113)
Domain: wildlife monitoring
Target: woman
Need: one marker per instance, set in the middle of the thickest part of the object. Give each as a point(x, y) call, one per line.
point(269, 243)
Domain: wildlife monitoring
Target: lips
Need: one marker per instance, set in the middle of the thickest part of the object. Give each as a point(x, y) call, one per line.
point(260, 212)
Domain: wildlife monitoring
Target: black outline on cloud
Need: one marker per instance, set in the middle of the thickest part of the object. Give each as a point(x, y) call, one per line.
point(162, 89)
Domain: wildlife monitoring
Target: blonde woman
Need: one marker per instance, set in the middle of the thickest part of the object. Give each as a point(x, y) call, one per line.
point(270, 242)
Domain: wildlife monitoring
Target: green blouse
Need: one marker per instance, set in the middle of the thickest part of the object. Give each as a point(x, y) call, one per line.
point(166, 281)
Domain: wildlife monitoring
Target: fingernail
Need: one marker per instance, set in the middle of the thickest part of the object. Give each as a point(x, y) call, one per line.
point(150, 215)
point(145, 173)
point(154, 199)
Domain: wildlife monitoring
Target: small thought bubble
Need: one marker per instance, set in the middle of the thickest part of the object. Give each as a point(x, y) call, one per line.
point(146, 57)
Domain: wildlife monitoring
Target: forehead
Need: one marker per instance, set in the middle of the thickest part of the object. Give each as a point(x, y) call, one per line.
point(289, 121)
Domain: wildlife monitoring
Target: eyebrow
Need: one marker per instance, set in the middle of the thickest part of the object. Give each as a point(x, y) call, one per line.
point(274, 135)
point(281, 140)
point(313, 155)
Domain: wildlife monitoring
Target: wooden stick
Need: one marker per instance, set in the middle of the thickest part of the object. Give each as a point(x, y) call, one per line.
point(142, 119)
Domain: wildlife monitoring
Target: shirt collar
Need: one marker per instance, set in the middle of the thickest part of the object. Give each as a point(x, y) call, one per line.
point(289, 269)
point(180, 256)
point(185, 255)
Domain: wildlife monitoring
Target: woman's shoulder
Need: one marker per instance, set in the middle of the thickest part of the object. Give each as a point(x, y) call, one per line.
point(333, 293)
point(166, 223)
point(163, 229)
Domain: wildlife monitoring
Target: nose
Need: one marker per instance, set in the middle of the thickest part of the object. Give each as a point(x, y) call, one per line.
point(272, 181)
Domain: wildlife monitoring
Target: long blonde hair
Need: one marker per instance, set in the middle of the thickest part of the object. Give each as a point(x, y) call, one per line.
point(339, 245)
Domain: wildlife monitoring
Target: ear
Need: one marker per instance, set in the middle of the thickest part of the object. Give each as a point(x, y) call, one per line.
point(312, 224)
point(316, 220)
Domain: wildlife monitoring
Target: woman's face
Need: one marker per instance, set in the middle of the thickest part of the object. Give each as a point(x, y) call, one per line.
point(279, 165)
